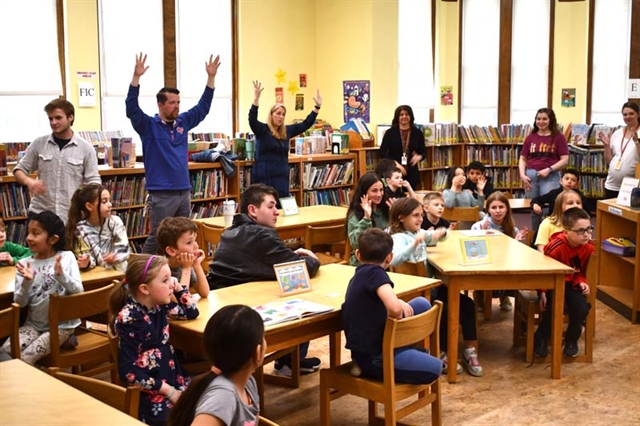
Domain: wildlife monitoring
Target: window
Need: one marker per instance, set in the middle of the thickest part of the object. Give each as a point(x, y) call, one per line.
point(611, 47)
point(415, 58)
point(126, 29)
point(480, 60)
point(203, 28)
point(28, 49)
point(529, 59)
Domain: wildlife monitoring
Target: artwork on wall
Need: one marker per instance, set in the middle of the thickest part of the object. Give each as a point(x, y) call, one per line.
point(279, 95)
point(446, 95)
point(356, 99)
point(299, 101)
point(569, 98)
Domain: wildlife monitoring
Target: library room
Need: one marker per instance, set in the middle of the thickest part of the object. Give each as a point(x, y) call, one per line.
point(196, 199)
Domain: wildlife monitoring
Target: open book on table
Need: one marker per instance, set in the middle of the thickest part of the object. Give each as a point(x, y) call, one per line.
point(289, 310)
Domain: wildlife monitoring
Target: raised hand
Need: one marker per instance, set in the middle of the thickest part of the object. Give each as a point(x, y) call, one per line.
point(25, 270)
point(482, 181)
point(522, 234)
point(140, 67)
point(6, 257)
point(318, 98)
point(83, 261)
point(257, 91)
point(57, 266)
point(415, 159)
point(212, 65)
point(486, 225)
point(365, 203)
point(605, 138)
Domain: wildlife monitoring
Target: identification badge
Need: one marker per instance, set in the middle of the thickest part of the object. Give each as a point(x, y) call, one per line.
point(618, 164)
point(403, 161)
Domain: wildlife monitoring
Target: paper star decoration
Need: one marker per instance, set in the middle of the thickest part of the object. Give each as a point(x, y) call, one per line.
point(293, 87)
point(281, 76)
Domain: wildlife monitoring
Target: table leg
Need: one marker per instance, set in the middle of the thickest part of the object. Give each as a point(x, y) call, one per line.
point(452, 319)
point(556, 332)
point(335, 349)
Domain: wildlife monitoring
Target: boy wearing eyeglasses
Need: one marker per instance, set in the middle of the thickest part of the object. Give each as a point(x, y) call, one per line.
point(573, 247)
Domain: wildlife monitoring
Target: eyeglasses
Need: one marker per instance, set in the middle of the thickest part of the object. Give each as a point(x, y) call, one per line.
point(582, 231)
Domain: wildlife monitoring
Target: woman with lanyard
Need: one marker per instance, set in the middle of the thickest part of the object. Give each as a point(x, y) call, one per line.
point(622, 150)
point(404, 144)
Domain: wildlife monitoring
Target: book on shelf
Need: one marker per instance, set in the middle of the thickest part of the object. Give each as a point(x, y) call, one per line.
point(289, 310)
point(3, 160)
point(579, 134)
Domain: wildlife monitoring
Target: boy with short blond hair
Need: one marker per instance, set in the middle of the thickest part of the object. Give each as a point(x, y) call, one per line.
point(178, 240)
point(10, 253)
point(433, 205)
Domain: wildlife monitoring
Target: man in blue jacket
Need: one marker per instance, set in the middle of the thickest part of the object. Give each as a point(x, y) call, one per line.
point(165, 146)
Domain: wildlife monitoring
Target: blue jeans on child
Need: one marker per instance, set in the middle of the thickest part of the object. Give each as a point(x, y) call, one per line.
point(412, 365)
point(540, 186)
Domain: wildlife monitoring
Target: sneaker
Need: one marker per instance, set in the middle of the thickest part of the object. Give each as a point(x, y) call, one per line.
point(470, 359)
point(309, 365)
point(70, 343)
point(540, 347)
point(571, 349)
point(505, 303)
point(281, 370)
point(445, 364)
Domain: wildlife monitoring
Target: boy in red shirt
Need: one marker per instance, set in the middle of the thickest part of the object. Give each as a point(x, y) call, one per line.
point(573, 247)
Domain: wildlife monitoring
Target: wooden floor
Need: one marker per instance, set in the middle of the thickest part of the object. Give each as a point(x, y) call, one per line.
point(606, 392)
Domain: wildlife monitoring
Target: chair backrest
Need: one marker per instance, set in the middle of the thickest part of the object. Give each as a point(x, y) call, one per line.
point(462, 214)
point(407, 331)
point(417, 269)
point(9, 327)
point(323, 235)
point(265, 421)
point(126, 399)
point(210, 239)
point(80, 305)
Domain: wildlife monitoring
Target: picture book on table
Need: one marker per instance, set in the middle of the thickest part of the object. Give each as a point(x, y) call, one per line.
point(289, 310)
point(475, 250)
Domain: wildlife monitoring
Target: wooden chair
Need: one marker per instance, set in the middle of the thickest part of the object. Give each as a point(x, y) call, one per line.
point(126, 399)
point(527, 312)
point(211, 239)
point(94, 347)
point(10, 326)
point(337, 381)
point(417, 269)
point(461, 214)
point(327, 237)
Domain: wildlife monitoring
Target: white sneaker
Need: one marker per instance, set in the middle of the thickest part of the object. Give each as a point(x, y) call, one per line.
point(445, 364)
point(284, 371)
point(471, 363)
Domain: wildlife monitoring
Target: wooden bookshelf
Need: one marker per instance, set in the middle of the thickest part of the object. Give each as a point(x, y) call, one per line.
point(618, 278)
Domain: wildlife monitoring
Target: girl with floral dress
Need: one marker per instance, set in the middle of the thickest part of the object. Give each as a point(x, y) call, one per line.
point(140, 311)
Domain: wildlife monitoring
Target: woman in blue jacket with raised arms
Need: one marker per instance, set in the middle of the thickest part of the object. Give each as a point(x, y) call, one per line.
point(271, 165)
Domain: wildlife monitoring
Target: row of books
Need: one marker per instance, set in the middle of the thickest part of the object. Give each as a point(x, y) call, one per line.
point(208, 184)
point(14, 199)
point(330, 197)
point(127, 191)
point(588, 134)
point(204, 210)
point(492, 155)
point(441, 157)
point(327, 175)
point(16, 231)
point(480, 134)
point(371, 158)
point(206, 137)
point(515, 133)
point(11, 150)
point(592, 185)
point(100, 137)
point(439, 133)
point(587, 160)
point(136, 221)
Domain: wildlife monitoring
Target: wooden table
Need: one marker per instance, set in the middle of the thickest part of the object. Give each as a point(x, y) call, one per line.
point(329, 288)
point(513, 266)
point(295, 226)
point(520, 204)
point(92, 279)
point(31, 396)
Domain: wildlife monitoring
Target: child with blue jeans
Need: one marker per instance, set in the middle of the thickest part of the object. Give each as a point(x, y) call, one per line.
point(370, 299)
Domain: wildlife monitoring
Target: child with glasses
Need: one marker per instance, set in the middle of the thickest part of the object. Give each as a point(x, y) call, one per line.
point(573, 247)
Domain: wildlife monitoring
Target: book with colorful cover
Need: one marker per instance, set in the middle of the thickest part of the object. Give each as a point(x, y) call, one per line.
point(579, 134)
point(289, 310)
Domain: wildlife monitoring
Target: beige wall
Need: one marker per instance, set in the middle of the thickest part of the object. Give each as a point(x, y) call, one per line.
point(332, 41)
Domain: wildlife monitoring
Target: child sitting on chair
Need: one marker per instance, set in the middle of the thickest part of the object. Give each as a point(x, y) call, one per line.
point(573, 247)
point(456, 196)
point(396, 185)
point(370, 299)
